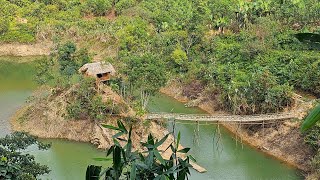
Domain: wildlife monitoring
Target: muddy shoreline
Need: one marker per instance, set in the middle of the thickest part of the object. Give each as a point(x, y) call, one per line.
point(45, 118)
point(22, 50)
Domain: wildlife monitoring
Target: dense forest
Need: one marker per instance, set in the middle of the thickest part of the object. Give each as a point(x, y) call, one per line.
point(249, 56)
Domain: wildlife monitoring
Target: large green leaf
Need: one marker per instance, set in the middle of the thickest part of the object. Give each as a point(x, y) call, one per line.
point(184, 150)
point(117, 157)
point(161, 141)
point(159, 157)
point(133, 172)
point(308, 37)
point(311, 119)
point(111, 127)
point(178, 140)
point(121, 126)
point(93, 172)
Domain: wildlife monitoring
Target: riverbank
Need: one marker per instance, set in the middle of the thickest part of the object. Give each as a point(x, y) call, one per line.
point(282, 141)
point(46, 118)
point(17, 49)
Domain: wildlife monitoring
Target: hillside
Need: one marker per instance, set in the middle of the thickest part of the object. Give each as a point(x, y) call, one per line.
point(244, 57)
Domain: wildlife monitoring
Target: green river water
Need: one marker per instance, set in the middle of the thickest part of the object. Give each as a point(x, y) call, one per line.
point(224, 159)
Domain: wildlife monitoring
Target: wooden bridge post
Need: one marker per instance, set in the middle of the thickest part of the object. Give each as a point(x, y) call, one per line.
point(263, 133)
point(196, 134)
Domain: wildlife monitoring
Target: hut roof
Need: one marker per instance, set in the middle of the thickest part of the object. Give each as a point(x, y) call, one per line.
point(92, 69)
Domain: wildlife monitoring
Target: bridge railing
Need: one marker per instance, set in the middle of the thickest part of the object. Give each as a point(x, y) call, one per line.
point(204, 117)
point(219, 115)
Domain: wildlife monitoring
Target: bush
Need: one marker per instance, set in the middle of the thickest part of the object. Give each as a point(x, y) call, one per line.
point(86, 103)
point(298, 68)
point(44, 71)
point(247, 93)
point(21, 36)
point(180, 59)
point(4, 25)
point(312, 137)
point(97, 7)
point(129, 164)
point(70, 60)
point(121, 5)
point(15, 162)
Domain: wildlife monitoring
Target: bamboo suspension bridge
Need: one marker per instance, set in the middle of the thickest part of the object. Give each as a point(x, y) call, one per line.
point(204, 119)
point(245, 119)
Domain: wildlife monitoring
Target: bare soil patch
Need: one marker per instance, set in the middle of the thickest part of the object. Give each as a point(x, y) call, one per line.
point(15, 49)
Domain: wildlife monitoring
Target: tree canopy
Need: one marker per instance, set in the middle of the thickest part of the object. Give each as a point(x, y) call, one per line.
point(15, 163)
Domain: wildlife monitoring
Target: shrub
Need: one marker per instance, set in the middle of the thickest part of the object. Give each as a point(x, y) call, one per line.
point(86, 103)
point(180, 59)
point(15, 162)
point(18, 36)
point(312, 137)
point(4, 25)
point(97, 7)
point(70, 60)
point(121, 5)
point(129, 164)
point(44, 71)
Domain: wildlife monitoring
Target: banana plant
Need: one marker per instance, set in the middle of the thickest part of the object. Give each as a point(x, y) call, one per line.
point(128, 164)
point(312, 118)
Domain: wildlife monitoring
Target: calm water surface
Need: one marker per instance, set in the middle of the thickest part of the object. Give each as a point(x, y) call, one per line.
point(223, 159)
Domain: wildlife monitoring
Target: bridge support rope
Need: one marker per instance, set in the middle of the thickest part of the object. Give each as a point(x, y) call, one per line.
point(261, 118)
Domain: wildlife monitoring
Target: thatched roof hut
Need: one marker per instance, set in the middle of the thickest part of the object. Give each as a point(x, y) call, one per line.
point(102, 71)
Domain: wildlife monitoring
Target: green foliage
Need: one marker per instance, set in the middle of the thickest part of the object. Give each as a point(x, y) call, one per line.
point(146, 72)
point(4, 25)
point(257, 94)
point(93, 172)
point(86, 103)
point(312, 118)
point(312, 136)
point(44, 71)
point(180, 59)
point(17, 36)
point(61, 68)
point(176, 13)
point(7, 9)
point(98, 7)
point(300, 69)
point(16, 164)
point(311, 129)
point(68, 66)
point(124, 4)
point(134, 35)
point(222, 44)
point(128, 164)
